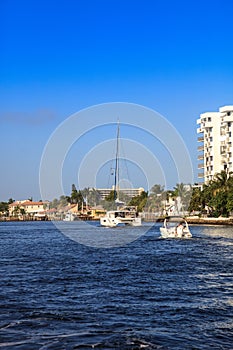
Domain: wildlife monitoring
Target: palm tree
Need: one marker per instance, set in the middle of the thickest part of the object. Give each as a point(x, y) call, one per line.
point(221, 180)
point(182, 192)
point(221, 199)
point(16, 210)
point(196, 201)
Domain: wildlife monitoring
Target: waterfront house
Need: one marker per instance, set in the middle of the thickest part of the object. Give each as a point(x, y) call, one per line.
point(27, 208)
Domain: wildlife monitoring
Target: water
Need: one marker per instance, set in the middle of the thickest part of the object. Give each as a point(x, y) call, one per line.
point(150, 294)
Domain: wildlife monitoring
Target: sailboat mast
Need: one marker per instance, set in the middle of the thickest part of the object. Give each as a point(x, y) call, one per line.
point(116, 184)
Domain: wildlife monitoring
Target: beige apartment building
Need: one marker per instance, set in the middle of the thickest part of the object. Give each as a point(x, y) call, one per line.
point(215, 131)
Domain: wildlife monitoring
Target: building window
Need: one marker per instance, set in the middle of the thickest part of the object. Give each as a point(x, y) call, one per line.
point(222, 149)
point(209, 119)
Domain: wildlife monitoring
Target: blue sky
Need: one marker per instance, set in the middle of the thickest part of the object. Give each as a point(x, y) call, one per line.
point(58, 57)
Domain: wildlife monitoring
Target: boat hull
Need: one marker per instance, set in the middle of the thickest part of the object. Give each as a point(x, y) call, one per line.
point(113, 222)
point(172, 233)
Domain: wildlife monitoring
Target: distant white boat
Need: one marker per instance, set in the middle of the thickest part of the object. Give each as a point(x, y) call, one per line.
point(126, 215)
point(69, 217)
point(175, 228)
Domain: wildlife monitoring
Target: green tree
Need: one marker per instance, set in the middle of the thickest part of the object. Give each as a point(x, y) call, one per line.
point(76, 197)
point(16, 210)
point(22, 211)
point(156, 199)
point(196, 201)
point(217, 194)
point(91, 196)
point(54, 203)
point(63, 201)
point(4, 208)
point(184, 193)
point(139, 201)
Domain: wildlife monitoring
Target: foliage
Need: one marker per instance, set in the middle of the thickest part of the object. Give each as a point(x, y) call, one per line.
point(91, 196)
point(196, 201)
point(76, 197)
point(4, 208)
point(139, 201)
point(110, 197)
point(155, 199)
point(216, 198)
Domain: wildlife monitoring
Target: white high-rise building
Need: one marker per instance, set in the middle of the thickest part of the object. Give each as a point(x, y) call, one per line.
point(216, 143)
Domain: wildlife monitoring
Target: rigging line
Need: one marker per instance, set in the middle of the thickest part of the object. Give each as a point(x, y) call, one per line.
point(111, 172)
point(125, 161)
point(116, 182)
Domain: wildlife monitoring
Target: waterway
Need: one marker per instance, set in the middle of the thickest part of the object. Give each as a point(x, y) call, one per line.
point(56, 293)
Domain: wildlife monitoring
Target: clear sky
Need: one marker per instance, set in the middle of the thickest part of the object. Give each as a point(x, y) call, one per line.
point(58, 57)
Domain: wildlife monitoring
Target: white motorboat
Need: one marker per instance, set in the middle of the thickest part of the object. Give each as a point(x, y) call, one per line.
point(175, 228)
point(126, 215)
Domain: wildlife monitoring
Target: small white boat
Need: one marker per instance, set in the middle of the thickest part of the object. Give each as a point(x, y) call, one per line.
point(175, 228)
point(127, 216)
point(69, 217)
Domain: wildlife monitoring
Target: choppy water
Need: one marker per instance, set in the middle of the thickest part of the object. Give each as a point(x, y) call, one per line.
point(152, 293)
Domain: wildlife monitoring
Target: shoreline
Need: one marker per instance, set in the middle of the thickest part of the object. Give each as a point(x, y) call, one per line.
point(209, 221)
point(190, 220)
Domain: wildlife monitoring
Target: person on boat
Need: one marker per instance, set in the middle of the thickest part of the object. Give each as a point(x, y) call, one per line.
point(180, 229)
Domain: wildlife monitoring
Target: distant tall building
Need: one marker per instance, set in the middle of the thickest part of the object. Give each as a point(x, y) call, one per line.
point(216, 143)
point(130, 192)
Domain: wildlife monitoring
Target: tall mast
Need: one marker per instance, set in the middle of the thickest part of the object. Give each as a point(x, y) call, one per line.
point(116, 184)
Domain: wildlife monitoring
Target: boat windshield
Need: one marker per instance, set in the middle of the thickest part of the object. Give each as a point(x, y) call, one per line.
point(174, 222)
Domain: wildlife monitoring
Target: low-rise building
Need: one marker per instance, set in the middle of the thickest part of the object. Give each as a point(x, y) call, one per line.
point(130, 192)
point(26, 207)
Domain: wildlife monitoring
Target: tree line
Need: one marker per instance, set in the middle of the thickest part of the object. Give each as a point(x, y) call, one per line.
point(213, 199)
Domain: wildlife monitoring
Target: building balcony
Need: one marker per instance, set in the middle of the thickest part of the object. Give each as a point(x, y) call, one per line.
point(201, 157)
point(200, 166)
point(200, 175)
point(208, 124)
point(199, 130)
point(200, 148)
point(228, 118)
point(200, 139)
point(226, 109)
